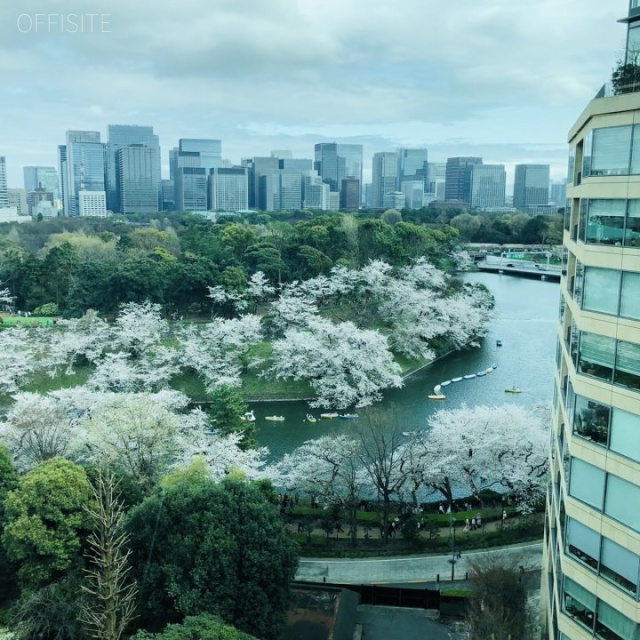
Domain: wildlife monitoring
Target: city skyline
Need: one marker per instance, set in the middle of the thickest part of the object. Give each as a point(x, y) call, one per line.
point(284, 75)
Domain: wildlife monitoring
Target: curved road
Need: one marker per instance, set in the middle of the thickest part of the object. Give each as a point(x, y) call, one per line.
point(412, 568)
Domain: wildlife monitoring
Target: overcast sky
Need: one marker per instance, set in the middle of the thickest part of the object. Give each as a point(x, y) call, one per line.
point(500, 79)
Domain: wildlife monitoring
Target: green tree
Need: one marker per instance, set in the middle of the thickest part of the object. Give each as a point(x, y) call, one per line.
point(226, 411)
point(204, 627)
point(46, 521)
point(8, 482)
point(219, 548)
point(238, 238)
point(535, 231)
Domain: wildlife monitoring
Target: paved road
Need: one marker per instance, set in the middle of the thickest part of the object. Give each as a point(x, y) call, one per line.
point(410, 568)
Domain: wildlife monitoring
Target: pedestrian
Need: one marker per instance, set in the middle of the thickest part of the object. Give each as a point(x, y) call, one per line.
point(466, 525)
point(478, 520)
point(473, 524)
point(440, 509)
point(504, 515)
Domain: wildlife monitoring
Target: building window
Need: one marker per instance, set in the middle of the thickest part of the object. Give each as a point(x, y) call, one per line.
point(583, 543)
point(625, 434)
point(601, 290)
point(620, 566)
point(632, 227)
point(605, 222)
point(596, 356)
point(627, 369)
point(579, 603)
point(611, 151)
point(587, 483)
point(621, 495)
point(612, 625)
point(629, 298)
point(591, 420)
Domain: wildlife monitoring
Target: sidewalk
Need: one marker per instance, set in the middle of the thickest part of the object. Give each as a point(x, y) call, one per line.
point(411, 568)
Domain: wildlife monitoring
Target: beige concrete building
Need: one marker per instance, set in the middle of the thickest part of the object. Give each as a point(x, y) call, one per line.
point(591, 568)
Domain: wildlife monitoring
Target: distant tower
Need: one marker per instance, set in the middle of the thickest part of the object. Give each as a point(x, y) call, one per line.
point(4, 193)
point(384, 176)
point(458, 178)
point(531, 187)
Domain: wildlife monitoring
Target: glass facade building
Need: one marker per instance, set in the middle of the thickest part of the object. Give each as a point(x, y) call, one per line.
point(84, 164)
point(591, 564)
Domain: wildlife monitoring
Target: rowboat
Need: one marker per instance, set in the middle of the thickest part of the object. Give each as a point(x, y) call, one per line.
point(437, 396)
point(348, 416)
point(513, 390)
point(310, 418)
point(274, 418)
point(445, 383)
point(489, 370)
point(481, 373)
point(328, 416)
point(469, 376)
point(456, 379)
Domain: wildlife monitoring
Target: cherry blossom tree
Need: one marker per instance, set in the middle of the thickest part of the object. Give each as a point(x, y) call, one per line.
point(503, 448)
point(345, 365)
point(138, 327)
point(216, 350)
point(18, 358)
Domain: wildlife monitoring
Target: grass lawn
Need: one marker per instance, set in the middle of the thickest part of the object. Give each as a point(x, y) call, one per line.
point(12, 321)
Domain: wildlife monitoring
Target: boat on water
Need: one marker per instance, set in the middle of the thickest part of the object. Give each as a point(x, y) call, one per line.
point(445, 383)
point(348, 416)
point(249, 416)
point(513, 390)
point(311, 418)
point(498, 343)
point(274, 418)
point(437, 396)
point(469, 376)
point(456, 379)
point(481, 373)
point(328, 416)
point(437, 388)
point(494, 365)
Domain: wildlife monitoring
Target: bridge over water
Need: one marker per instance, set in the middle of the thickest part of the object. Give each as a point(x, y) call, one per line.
point(521, 268)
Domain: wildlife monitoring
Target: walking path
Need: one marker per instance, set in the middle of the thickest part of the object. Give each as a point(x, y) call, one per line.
point(412, 568)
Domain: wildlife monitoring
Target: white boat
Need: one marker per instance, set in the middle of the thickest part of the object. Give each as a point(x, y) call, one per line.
point(481, 373)
point(348, 416)
point(437, 388)
point(469, 376)
point(274, 418)
point(437, 396)
point(310, 418)
point(494, 365)
point(456, 379)
point(249, 416)
point(445, 383)
point(328, 416)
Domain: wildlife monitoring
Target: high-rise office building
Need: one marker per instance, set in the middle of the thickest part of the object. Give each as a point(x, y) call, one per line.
point(18, 200)
point(83, 157)
point(488, 186)
point(591, 563)
point(436, 181)
point(4, 194)
point(92, 204)
point(228, 189)
point(135, 183)
point(384, 176)
point(315, 193)
point(41, 177)
point(334, 162)
point(413, 191)
point(350, 193)
point(458, 178)
point(558, 193)
point(258, 168)
point(189, 164)
point(531, 187)
point(413, 164)
point(138, 178)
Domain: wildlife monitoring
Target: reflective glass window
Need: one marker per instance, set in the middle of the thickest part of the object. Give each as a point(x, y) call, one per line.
point(587, 483)
point(611, 151)
point(619, 565)
point(612, 625)
point(630, 295)
point(583, 543)
point(605, 223)
point(622, 501)
point(601, 290)
point(596, 355)
point(627, 372)
point(578, 602)
point(632, 230)
point(625, 434)
point(591, 420)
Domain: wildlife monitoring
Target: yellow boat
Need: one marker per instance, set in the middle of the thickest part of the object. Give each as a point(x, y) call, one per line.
point(437, 396)
point(513, 390)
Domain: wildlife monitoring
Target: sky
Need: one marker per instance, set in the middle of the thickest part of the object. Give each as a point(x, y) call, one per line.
point(500, 79)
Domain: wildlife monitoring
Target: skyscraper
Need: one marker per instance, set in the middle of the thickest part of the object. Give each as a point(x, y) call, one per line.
point(4, 194)
point(413, 164)
point(458, 178)
point(258, 168)
point(384, 176)
point(125, 135)
point(350, 193)
point(437, 174)
point(334, 162)
point(228, 189)
point(84, 166)
point(44, 177)
point(591, 563)
point(488, 186)
point(190, 163)
point(138, 178)
point(531, 187)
